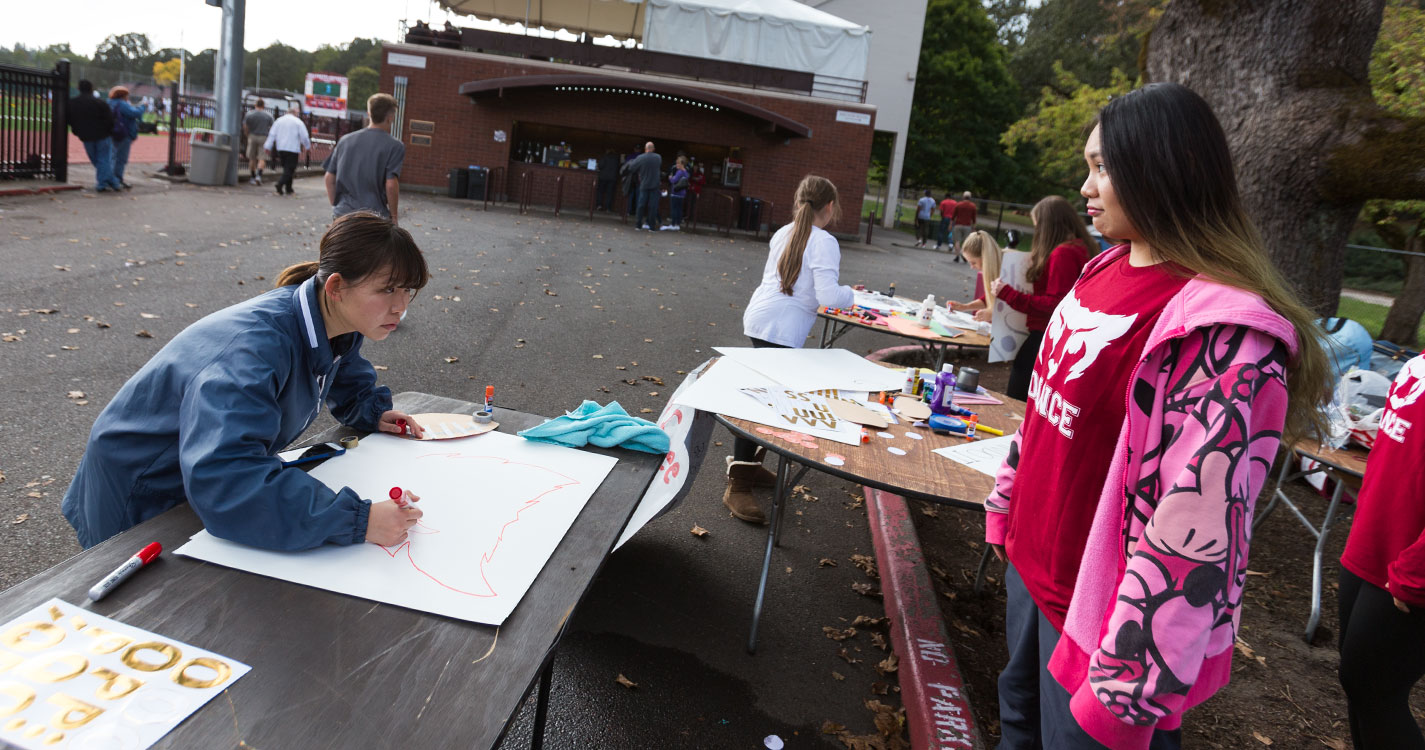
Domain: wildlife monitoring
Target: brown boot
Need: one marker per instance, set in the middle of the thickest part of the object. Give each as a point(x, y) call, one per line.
point(738, 496)
point(761, 477)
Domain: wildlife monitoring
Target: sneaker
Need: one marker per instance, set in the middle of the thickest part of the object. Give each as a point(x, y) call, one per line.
point(647, 228)
point(126, 186)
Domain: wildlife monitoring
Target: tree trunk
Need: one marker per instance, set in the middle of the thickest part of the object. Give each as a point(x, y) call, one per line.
point(1402, 323)
point(1289, 81)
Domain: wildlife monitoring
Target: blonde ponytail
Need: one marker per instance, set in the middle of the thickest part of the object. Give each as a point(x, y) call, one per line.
point(812, 196)
point(981, 245)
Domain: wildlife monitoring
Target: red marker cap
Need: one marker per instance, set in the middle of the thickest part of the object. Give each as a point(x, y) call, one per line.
point(153, 550)
point(396, 493)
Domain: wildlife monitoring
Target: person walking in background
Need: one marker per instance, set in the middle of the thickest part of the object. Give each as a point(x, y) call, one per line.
point(947, 215)
point(801, 275)
point(607, 179)
point(93, 124)
point(257, 124)
point(678, 182)
point(1174, 369)
point(923, 210)
point(648, 170)
point(964, 223)
point(288, 138)
point(126, 130)
point(1382, 592)
point(1058, 252)
point(364, 170)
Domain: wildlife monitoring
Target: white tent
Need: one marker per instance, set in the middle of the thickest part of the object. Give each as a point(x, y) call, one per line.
point(776, 33)
point(781, 34)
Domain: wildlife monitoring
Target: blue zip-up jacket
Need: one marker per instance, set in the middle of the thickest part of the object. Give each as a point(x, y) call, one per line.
point(128, 114)
point(203, 420)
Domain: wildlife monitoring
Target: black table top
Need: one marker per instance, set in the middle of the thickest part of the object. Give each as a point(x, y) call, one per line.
point(335, 671)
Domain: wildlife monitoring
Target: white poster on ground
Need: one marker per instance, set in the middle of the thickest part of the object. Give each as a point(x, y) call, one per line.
point(815, 369)
point(1009, 327)
point(495, 507)
point(75, 679)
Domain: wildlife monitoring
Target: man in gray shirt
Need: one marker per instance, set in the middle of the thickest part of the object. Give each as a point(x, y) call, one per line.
point(364, 170)
point(647, 167)
point(257, 124)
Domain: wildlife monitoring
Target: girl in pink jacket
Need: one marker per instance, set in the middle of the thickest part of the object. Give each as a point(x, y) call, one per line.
point(1159, 396)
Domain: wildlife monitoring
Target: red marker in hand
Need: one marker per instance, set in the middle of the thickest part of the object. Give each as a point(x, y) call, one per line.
point(398, 496)
point(401, 423)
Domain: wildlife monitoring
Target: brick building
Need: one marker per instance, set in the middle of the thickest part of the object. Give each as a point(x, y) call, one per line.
point(463, 108)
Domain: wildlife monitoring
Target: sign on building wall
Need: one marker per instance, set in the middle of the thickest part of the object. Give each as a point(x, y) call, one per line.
point(326, 95)
point(408, 61)
point(859, 118)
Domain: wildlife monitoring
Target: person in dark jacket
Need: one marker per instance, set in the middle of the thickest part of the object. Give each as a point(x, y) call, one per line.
point(648, 169)
point(126, 130)
point(93, 124)
point(203, 420)
point(608, 178)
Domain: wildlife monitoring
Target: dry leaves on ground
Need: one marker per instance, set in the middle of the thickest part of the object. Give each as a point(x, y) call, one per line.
point(698, 531)
point(838, 635)
point(630, 684)
point(144, 334)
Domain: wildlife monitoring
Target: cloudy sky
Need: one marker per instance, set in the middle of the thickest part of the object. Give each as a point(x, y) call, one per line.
point(305, 24)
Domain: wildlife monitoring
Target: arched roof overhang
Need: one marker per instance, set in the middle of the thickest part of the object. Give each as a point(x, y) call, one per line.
point(496, 87)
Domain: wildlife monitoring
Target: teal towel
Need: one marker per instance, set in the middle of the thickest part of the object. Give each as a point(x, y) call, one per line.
point(604, 426)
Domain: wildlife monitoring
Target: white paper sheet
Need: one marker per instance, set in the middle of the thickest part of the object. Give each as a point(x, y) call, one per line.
point(873, 301)
point(984, 456)
point(955, 319)
point(495, 506)
point(719, 391)
point(814, 369)
point(80, 680)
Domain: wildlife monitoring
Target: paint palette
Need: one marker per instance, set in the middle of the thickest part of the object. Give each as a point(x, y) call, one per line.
point(448, 426)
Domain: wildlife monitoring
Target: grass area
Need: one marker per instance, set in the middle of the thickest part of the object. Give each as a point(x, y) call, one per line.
point(1369, 315)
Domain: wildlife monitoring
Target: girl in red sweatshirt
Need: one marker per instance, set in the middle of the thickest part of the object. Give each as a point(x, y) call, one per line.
point(1057, 257)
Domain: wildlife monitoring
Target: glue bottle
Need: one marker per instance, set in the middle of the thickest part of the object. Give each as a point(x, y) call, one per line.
point(942, 402)
point(927, 308)
point(910, 380)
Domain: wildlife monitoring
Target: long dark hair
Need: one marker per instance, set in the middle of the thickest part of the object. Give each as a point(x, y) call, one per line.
point(1170, 165)
point(357, 245)
point(812, 195)
point(1055, 223)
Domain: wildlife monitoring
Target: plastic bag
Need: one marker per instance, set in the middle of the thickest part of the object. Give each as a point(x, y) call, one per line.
point(1356, 408)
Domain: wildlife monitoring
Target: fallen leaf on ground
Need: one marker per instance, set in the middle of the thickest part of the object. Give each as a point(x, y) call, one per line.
point(150, 316)
point(826, 562)
point(831, 727)
point(381, 368)
point(889, 664)
point(645, 411)
point(868, 621)
point(1262, 738)
point(879, 641)
point(889, 720)
point(843, 653)
point(866, 563)
point(598, 356)
point(698, 531)
point(838, 635)
point(838, 676)
point(23, 517)
point(880, 688)
point(630, 684)
point(144, 335)
point(451, 360)
point(75, 394)
point(930, 510)
point(865, 589)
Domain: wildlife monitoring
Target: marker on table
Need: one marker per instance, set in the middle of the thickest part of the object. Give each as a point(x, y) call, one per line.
point(991, 430)
point(398, 496)
point(121, 574)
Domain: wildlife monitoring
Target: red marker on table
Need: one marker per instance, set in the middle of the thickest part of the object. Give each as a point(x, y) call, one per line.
point(130, 566)
point(398, 496)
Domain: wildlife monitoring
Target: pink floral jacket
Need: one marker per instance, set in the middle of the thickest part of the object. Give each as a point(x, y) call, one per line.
point(1150, 628)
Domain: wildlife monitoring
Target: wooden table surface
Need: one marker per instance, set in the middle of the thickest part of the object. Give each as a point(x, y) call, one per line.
point(919, 474)
point(335, 671)
point(1351, 459)
point(966, 338)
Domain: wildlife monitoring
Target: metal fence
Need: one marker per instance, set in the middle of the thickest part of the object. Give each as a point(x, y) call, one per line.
point(33, 111)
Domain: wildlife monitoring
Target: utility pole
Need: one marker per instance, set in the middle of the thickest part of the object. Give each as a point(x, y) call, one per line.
point(230, 79)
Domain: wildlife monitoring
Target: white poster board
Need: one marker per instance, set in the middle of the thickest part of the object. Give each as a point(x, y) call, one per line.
point(719, 391)
point(815, 369)
point(75, 679)
point(1010, 327)
point(984, 456)
point(495, 506)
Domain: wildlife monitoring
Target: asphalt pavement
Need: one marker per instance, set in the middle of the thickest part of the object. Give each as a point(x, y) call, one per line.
point(550, 312)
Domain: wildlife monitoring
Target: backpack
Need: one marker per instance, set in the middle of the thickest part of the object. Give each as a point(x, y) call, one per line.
point(121, 128)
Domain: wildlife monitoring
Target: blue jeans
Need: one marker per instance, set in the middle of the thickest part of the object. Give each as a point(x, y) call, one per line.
point(101, 155)
point(1033, 706)
point(648, 208)
point(676, 203)
point(121, 157)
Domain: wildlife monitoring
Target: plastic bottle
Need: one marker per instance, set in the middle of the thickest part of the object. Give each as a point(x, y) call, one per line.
point(942, 402)
point(927, 308)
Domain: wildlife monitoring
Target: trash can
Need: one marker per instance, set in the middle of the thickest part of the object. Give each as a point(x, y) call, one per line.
point(211, 151)
point(744, 212)
point(478, 183)
point(459, 182)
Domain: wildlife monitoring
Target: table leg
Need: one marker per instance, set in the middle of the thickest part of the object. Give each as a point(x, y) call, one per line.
point(940, 357)
point(825, 328)
point(541, 705)
point(1315, 618)
point(777, 499)
point(984, 565)
point(1287, 462)
point(786, 493)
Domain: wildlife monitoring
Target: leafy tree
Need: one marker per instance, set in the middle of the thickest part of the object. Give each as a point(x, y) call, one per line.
point(1088, 38)
point(283, 67)
point(1398, 84)
point(201, 67)
point(1056, 129)
point(964, 99)
point(1011, 18)
point(361, 83)
point(122, 51)
point(166, 72)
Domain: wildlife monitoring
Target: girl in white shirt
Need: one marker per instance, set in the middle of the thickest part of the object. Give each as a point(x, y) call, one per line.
point(800, 277)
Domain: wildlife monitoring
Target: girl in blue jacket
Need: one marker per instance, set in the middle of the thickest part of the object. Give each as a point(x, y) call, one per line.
point(204, 419)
